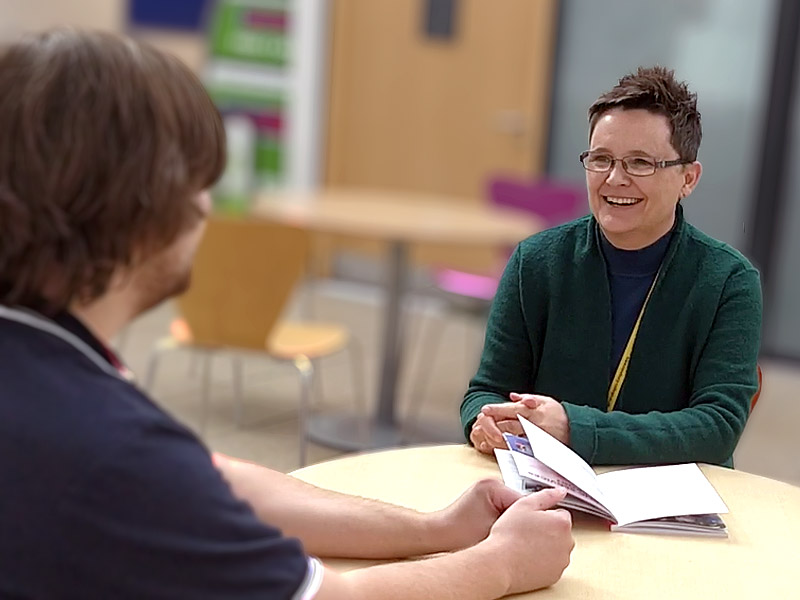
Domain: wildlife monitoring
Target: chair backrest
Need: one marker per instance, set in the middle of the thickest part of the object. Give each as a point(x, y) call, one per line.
point(244, 273)
point(757, 395)
point(555, 202)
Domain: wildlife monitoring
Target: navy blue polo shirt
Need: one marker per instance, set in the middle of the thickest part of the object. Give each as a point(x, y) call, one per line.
point(104, 495)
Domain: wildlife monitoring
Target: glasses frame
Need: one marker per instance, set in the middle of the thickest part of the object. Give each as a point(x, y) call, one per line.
point(657, 164)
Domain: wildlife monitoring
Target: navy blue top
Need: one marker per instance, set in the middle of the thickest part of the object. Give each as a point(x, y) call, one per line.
point(630, 275)
point(104, 495)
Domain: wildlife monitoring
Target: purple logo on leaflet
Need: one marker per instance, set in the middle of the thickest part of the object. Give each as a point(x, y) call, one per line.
point(516, 443)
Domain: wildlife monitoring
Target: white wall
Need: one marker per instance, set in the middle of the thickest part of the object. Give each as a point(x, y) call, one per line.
point(308, 93)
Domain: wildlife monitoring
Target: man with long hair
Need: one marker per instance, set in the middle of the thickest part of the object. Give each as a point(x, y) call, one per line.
point(107, 150)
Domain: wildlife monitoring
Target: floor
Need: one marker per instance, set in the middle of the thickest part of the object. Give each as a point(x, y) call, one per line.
point(268, 433)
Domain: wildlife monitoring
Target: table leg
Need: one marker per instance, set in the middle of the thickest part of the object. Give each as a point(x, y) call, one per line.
point(392, 340)
point(347, 431)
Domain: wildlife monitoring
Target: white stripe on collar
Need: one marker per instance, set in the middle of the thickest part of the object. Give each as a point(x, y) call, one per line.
point(37, 321)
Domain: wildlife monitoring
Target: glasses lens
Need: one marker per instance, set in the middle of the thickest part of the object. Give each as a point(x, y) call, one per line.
point(597, 162)
point(639, 165)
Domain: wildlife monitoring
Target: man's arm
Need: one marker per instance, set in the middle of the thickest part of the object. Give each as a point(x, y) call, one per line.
point(528, 548)
point(331, 524)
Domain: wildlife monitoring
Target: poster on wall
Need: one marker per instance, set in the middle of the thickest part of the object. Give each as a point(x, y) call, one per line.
point(249, 50)
point(254, 126)
point(254, 31)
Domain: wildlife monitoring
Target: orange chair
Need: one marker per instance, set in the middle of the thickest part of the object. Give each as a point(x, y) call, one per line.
point(757, 395)
point(244, 273)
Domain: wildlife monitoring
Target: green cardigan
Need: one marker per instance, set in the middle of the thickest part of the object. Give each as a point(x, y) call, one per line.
point(693, 370)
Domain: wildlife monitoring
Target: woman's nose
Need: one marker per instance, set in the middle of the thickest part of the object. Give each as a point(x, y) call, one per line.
point(617, 174)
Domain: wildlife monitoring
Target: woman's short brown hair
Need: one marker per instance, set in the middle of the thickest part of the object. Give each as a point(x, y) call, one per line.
point(104, 142)
point(655, 89)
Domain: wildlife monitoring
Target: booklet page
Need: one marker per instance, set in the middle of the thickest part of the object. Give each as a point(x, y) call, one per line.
point(663, 491)
point(562, 460)
point(529, 467)
point(508, 470)
point(506, 460)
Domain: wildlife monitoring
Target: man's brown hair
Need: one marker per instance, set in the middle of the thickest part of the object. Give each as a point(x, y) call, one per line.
point(104, 142)
point(655, 89)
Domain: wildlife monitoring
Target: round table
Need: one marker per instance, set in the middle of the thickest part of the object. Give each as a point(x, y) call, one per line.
point(398, 219)
point(759, 559)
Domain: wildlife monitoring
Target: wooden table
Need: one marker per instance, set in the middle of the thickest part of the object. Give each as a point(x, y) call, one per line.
point(759, 559)
point(399, 219)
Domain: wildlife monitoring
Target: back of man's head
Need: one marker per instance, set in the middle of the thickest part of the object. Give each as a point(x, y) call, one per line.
point(104, 144)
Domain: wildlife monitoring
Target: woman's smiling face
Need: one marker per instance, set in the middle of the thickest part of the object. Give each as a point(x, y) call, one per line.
point(634, 212)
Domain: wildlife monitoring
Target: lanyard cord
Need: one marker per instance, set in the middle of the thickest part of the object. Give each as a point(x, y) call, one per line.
point(622, 368)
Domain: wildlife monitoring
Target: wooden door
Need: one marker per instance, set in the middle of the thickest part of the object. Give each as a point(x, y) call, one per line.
point(413, 112)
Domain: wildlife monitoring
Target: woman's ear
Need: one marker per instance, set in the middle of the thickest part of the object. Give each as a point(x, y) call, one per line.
point(691, 177)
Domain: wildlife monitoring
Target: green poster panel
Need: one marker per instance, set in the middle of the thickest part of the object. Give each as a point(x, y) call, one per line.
point(254, 122)
point(254, 31)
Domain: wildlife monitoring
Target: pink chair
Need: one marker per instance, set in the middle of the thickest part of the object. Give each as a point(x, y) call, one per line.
point(552, 201)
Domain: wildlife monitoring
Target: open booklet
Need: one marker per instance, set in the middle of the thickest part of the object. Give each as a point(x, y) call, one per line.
point(663, 499)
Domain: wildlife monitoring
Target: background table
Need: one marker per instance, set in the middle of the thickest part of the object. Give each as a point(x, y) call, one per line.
point(399, 219)
point(759, 559)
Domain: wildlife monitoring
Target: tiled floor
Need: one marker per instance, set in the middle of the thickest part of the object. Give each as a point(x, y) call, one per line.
point(770, 445)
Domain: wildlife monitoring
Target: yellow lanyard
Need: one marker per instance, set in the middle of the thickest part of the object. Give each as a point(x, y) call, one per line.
point(622, 367)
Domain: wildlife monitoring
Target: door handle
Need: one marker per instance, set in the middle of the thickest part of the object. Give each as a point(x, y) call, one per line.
point(510, 122)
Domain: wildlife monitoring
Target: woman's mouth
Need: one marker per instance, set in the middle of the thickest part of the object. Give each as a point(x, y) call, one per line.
point(622, 201)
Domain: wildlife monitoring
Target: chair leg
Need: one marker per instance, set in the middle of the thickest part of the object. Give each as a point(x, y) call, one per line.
point(152, 366)
point(193, 359)
point(475, 354)
point(429, 346)
point(238, 385)
point(308, 300)
point(472, 359)
point(122, 340)
point(356, 358)
point(318, 389)
point(306, 371)
point(206, 390)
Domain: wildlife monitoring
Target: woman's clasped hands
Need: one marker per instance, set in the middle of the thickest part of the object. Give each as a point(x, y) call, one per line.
point(496, 419)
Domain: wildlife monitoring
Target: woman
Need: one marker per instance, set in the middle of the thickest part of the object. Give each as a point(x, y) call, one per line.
point(628, 334)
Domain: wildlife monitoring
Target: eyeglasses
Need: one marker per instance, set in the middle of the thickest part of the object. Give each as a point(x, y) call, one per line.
point(638, 166)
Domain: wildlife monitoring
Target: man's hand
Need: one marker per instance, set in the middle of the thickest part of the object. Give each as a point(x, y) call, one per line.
point(535, 542)
point(468, 520)
point(543, 411)
point(528, 548)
